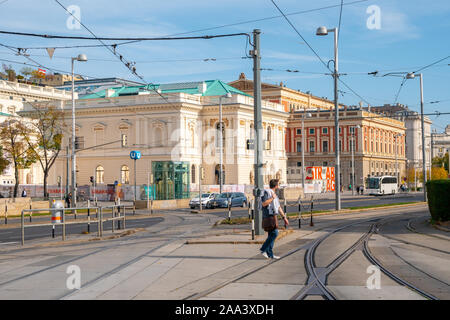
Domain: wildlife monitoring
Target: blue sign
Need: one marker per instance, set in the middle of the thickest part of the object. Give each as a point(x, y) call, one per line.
point(135, 155)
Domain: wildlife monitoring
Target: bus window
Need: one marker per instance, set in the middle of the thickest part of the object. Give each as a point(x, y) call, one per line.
point(373, 183)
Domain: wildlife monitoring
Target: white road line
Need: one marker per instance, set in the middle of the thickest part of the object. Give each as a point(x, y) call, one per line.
point(9, 242)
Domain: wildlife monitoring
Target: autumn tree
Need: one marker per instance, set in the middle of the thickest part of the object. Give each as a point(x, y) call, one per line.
point(46, 126)
point(438, 173)
point(16, 148)
point(4, 162)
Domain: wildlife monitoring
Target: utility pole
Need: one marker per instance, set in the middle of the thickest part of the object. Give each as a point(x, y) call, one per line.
point(259, 185)
point(67, 171)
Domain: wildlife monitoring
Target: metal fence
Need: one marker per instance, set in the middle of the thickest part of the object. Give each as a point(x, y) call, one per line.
point(118, 212)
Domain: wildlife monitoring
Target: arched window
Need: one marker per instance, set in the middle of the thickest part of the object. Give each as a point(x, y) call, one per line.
point(124, 175)
point(99, 174)
point(193, 173)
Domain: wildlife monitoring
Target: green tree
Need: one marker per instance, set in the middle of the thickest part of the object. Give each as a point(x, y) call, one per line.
point(15, 147)
point(43, 135)
point(441, 161)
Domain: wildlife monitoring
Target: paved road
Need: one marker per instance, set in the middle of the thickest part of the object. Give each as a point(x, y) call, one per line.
point(327, 204)
point(327, 261)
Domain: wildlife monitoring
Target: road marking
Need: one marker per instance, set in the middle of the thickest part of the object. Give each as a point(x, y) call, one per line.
point(9, 242)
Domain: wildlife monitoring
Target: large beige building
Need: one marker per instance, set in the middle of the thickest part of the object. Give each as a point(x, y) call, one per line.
point(176, 132)
point(13, 97)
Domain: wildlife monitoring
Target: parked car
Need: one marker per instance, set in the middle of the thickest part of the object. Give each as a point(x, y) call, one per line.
point(238, 199)
point(206, 201)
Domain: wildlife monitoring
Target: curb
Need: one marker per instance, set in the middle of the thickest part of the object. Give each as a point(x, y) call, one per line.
point(281, 235)
point(441, 228)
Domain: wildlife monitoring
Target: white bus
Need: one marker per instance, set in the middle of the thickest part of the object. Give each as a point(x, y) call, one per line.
point(381, 185)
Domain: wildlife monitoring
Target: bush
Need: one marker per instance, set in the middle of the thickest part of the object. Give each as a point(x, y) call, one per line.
point(438, 194)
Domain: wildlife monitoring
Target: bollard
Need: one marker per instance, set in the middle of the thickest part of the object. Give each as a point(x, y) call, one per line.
point(253, 218)
point(6, 213)
point(299, 214)
point(112, 219)
point(53, 231)
point(118, 221)
point(22, 226)
point(100, 222)
point(229, 209)
point(123, 217)
point(311, 223)
point(151, 206)
point(89, 216)
point(249, 209)
point(134, 207)
point(64, 225)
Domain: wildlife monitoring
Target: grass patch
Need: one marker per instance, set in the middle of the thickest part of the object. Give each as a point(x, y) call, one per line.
point(380, 205)
point(234, 221)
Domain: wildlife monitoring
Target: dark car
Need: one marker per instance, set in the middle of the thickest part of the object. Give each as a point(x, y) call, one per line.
point(238, 199)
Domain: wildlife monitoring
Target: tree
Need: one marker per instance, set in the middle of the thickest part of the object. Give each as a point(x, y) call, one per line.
point(441, 161)
point(10, 72)
point(27, 72)
point(46, 128)
point(4, 162)
point(15, 147)
point(439, 173)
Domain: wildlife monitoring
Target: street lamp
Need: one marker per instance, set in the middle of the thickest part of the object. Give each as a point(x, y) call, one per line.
point(323, 31)
point(227, 95)
point(353, 158)
point(412, 75)
point(307, 115)
point(82, 58)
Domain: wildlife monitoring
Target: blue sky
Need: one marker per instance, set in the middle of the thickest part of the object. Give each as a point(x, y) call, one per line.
point(413, 34)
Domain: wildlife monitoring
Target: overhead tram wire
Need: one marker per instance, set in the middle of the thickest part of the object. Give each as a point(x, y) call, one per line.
point(130, 65)
point(316, 54)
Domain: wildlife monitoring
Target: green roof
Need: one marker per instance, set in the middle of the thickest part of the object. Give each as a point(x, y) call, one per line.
point(203, 88)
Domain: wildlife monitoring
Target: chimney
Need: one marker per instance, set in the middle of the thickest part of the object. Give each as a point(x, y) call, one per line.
point(242, 76)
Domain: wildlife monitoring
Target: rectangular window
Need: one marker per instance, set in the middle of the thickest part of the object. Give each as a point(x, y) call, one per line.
point(311, 146)
point(324, 146)
point(324, 130)
point(340, 129)
point(299, 164)
point(299, 131)
point(352, 130)
point(299, 146)
point(325, 164)
point(312, 131)
point(340, 145)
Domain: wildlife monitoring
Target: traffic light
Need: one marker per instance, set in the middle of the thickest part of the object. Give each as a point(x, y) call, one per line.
point(91, 179)
point(202, 173)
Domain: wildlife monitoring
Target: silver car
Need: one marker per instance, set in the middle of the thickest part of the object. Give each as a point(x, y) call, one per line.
point(206, 201)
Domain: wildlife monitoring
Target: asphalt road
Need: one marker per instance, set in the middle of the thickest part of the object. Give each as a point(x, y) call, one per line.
point(326, 204)
point(13, 235)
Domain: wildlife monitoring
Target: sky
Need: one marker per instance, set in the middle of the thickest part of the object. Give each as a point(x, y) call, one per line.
point(411, 34)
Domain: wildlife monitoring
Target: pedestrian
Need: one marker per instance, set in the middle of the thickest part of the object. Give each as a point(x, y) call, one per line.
point(68, 199)
point(271, 208)
point(24, 193)
point(357, 190)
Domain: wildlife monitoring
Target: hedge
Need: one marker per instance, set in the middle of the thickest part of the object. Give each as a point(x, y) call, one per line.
point(438, 194)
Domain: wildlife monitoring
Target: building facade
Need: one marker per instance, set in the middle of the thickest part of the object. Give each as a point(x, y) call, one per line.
point(379, 144)
point(413, 124)
point(13, 97)
point(176, 132)
point(441, 142)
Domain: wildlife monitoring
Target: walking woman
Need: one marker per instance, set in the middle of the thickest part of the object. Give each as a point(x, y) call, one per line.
point(271, 208)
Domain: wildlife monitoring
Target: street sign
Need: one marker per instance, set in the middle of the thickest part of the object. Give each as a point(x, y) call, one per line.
point(135, 155)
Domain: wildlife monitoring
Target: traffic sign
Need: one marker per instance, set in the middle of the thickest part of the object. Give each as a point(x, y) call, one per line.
point(135, 155)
